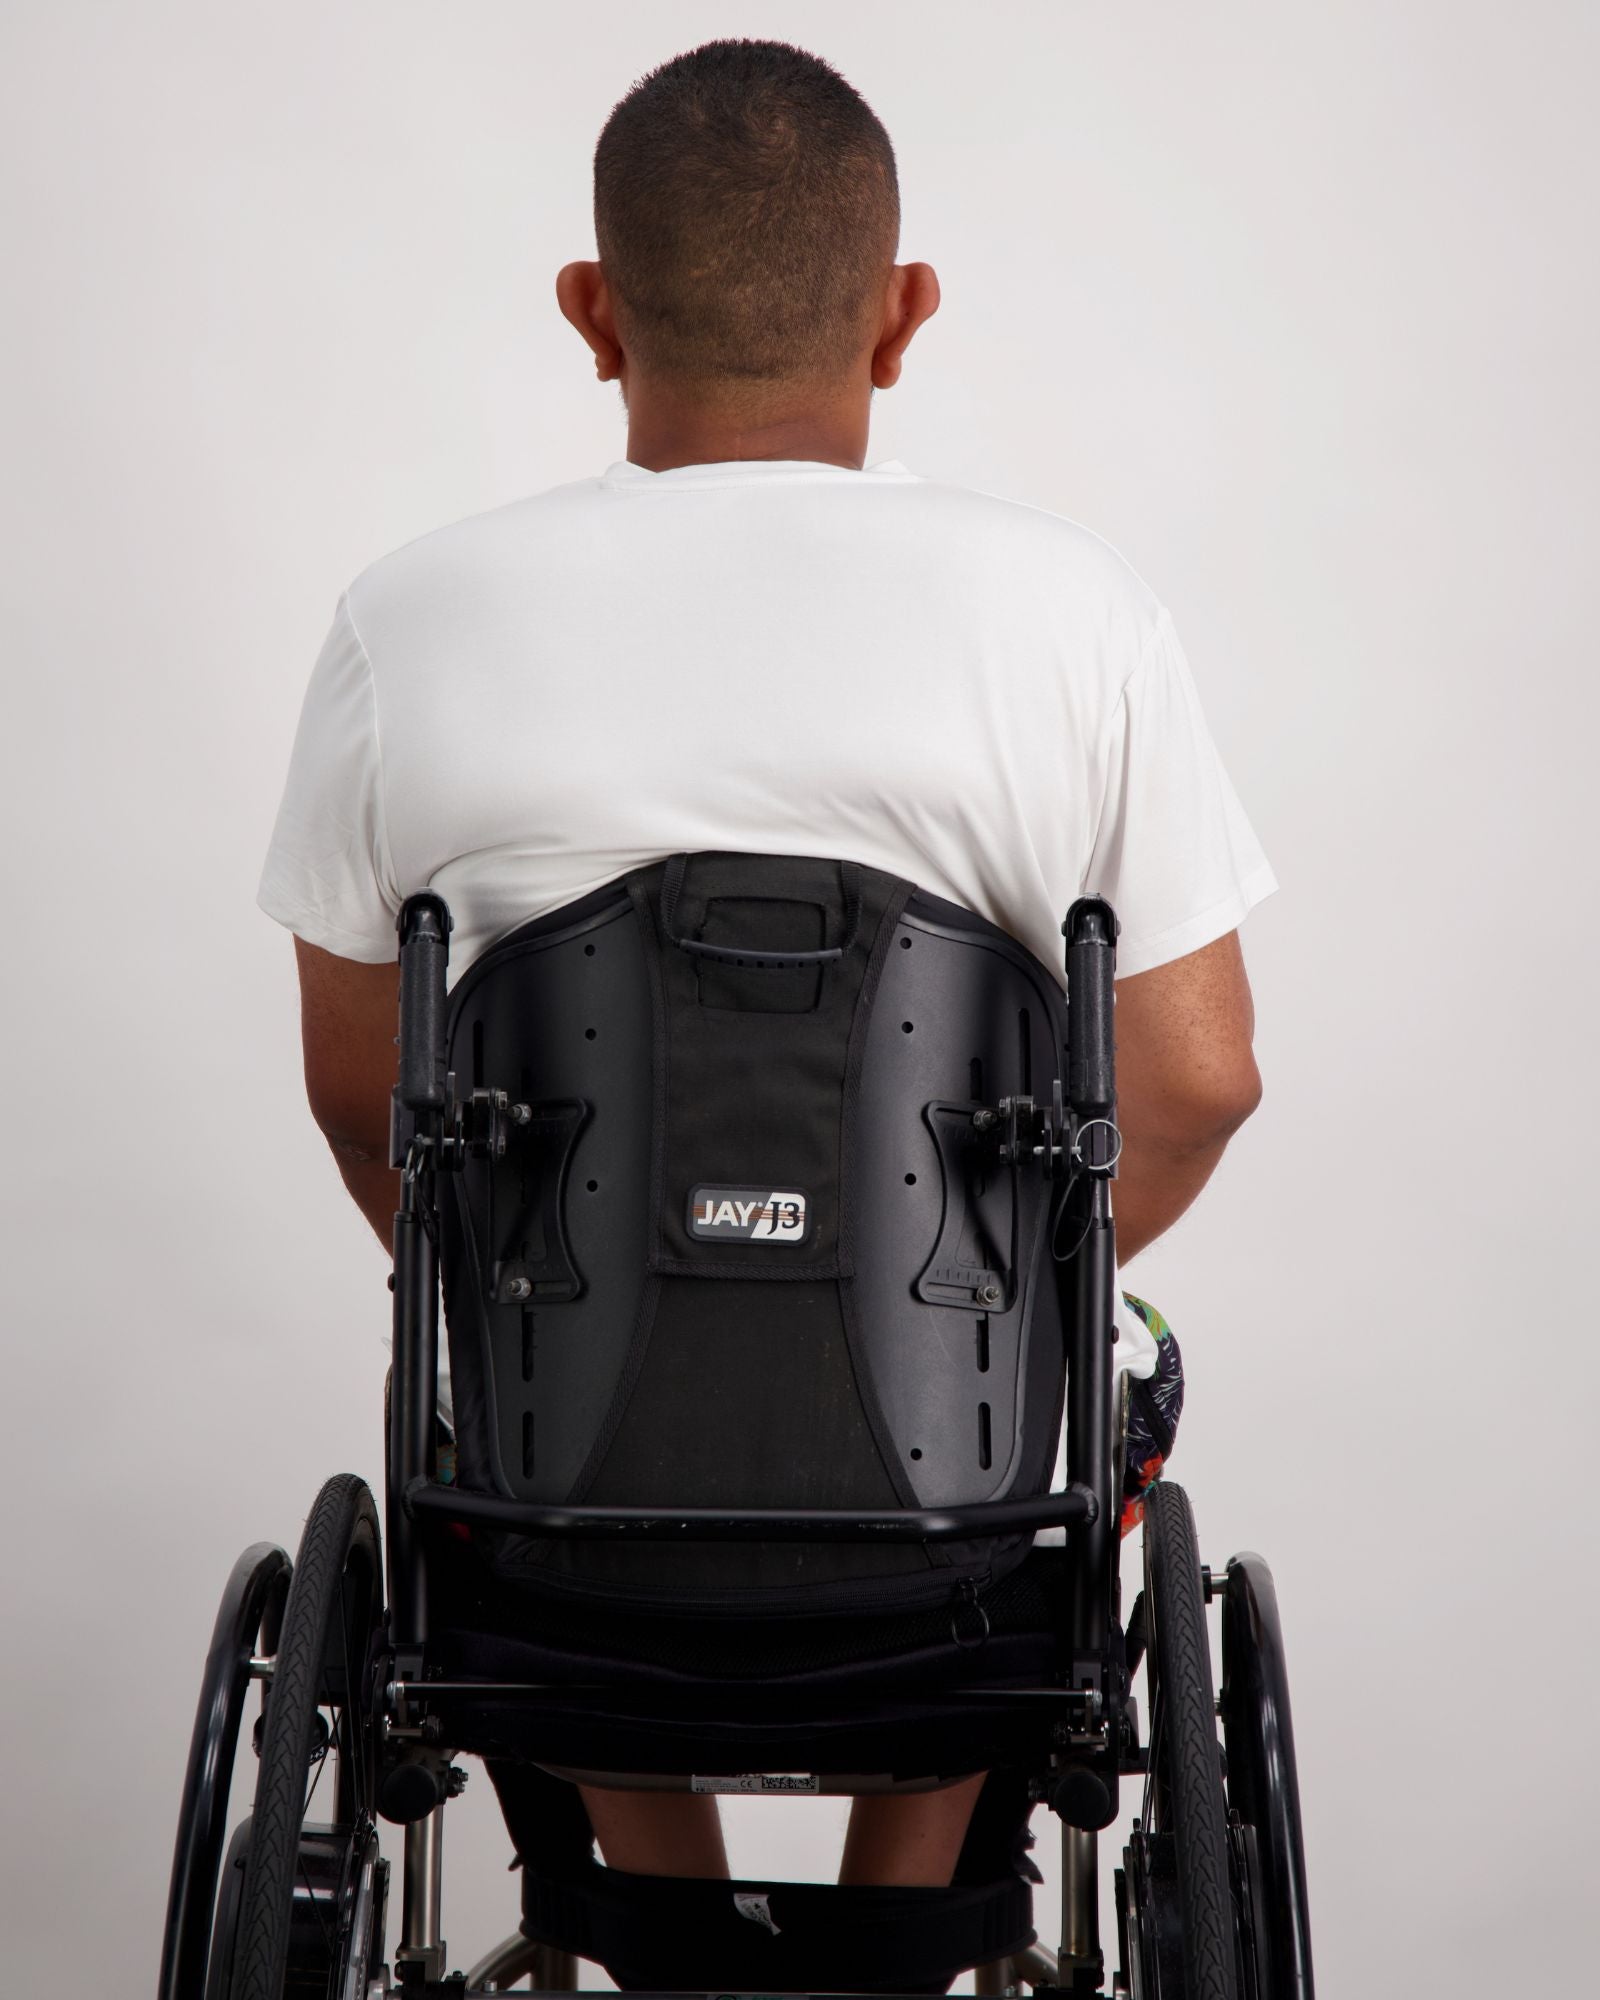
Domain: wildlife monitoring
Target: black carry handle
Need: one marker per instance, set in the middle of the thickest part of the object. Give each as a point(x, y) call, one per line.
point(753, 958)
point(1091, 934)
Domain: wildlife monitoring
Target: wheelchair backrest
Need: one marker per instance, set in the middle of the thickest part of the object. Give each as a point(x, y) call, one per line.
point(748, 1245)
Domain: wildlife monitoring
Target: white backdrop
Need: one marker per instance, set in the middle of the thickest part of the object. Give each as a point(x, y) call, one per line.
point(1294, 304)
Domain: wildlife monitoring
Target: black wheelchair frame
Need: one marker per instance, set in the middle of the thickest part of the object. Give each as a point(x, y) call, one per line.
point(1244, 1936)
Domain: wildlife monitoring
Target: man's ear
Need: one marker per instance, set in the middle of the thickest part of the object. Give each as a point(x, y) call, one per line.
point(912, 297)
point(585, 299)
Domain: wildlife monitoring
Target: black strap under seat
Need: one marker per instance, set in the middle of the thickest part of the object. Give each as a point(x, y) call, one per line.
point(670, 1932)
point(569, 1902)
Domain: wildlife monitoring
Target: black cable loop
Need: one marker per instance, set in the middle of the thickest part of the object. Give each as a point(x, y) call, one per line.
point(421, 1170)
point(1066, 1256)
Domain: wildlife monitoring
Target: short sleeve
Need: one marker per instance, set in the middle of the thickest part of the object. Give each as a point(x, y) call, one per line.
point(328, 876)
point(1174, 855)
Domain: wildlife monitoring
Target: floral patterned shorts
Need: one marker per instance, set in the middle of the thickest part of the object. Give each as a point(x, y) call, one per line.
point(1154, 1406)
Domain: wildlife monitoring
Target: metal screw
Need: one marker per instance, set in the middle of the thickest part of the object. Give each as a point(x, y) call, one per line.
point(988, 1293)
point(519, 1288)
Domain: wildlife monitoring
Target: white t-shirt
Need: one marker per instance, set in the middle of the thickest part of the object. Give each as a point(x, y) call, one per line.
point(776, 656)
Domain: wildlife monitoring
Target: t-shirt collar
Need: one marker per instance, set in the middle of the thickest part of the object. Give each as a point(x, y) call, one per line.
point(751, 472)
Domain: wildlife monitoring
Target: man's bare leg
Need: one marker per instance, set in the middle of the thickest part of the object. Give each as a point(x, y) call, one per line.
point(908, 1839)
point(658, 1833)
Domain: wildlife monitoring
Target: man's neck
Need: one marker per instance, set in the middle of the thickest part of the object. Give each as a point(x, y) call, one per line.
point(667, 429)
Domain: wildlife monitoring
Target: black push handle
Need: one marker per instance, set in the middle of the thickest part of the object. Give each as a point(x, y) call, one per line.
point(424, 927)
point(755, 958)
point(1091, 934)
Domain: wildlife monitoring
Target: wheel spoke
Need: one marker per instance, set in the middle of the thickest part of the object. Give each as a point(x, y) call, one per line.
point(305, 1879)
point(351, 1745)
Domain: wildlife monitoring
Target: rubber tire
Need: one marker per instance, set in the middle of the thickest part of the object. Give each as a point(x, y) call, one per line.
point(246, 1624)
point(1189, 1794)
point(342, 1526)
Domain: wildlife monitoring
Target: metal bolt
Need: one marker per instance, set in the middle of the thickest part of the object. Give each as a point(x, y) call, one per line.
point(988, 1294)
point(519, 1288)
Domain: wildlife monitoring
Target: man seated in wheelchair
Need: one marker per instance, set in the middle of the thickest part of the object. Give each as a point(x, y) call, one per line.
point(780, 771)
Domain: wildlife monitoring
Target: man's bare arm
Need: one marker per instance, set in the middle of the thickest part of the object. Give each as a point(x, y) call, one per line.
point(1186, 1081)
point(349, 1015)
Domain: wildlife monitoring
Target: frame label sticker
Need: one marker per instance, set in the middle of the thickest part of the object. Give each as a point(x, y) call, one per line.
point(757, 1781)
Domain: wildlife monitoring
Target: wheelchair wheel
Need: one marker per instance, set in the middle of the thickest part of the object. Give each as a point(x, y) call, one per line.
point(1263, 1781)
point(247, 1622)
point(301, 1907)
point(1176, 1911)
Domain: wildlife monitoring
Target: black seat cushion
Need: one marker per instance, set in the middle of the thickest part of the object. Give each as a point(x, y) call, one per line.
point(898, 1693)
point(517, 1630)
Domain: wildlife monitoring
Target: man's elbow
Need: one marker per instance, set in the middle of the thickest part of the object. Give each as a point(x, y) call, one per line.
point(365, 1151)
point(1231, 1101)
point(1244, 1099)
point(1206, 1115)
point(352, 1132)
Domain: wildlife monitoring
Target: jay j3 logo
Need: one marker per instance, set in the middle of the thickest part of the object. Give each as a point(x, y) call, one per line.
point(749, 1215)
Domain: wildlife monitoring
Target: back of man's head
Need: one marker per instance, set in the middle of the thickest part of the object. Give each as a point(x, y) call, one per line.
point(747, 213)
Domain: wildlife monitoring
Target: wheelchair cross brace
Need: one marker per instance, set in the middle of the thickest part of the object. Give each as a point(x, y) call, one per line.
point(432, 1131)
point(1074, 1506)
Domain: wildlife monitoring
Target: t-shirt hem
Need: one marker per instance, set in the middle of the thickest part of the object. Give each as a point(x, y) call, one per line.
point(315, 929)
point(1204, 927)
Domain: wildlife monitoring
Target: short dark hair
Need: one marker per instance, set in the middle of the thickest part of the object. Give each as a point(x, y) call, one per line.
point(747, 210)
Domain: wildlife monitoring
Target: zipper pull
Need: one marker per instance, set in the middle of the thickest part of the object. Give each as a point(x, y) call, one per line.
point(968, 1612)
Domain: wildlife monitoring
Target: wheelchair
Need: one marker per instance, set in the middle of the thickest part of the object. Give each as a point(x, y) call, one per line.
point(768, 1199)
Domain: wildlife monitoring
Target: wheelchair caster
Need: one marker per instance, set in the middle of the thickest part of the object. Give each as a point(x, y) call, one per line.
point(1081, 1798)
